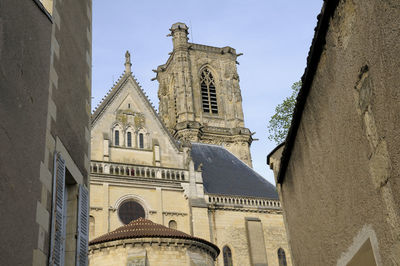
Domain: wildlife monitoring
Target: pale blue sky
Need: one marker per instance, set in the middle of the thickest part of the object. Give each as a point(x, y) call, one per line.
point(274, 37)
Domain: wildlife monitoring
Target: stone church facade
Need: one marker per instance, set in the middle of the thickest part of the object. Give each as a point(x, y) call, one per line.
point(187, 167)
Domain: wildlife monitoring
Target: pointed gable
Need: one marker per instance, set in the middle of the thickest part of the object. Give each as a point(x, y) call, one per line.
point(126, 127)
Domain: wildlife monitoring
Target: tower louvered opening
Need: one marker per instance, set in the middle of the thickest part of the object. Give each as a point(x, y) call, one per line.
point(208, 92)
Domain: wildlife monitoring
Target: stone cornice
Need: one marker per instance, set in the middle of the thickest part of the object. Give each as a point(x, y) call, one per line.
point(199, 47)
point(243, 203)
point(213, 49)
point(174, 213)
point(140, 165)
point(142, 183)
point(243, 209)
point(155, 241)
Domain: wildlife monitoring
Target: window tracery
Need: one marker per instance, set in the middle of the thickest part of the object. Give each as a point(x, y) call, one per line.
point(208, 92)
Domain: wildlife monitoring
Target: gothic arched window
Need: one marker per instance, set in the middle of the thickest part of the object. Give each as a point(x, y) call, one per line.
point(141, 141)
point(282, 257)
point(116, 138)
point(227, 256)
point(208, 92)
point(129, 139)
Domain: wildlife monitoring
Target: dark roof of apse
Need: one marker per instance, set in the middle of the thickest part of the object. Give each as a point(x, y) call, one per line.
point(224, 174)
point(144, 228)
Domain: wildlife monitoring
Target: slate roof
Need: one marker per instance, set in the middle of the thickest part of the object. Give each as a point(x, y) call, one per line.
point(143, 228)
point(225, 174)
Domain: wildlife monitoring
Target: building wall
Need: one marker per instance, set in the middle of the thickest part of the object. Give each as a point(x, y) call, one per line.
point(72, 64)
point(42, 113)
point(159, 252)
point(229, 228)
point(201, 223)
point(25, 34)
point(161, 203)
point(341, 185)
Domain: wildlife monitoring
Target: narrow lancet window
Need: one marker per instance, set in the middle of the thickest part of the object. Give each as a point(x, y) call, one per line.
point(141, 141)
point(227, 256)
point(208, 92)
point(282, 257)
point(116, 140)
point(129, 139)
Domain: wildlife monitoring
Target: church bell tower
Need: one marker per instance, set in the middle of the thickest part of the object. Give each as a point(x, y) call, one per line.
point(200, 97)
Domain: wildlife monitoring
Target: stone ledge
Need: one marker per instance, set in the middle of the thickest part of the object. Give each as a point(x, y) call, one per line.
point(154, 242)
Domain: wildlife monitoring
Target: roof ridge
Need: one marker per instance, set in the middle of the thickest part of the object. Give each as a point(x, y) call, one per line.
point(142, 228)
point(112, 92)
point(222, 147)
point(225, 174)
point(207, 144)
point(109, 94)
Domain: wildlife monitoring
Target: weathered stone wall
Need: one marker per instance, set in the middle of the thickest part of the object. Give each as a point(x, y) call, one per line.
point(181, 103)
point(224, 226)
point(150, 252)
point(45, 74)
point(161, 204)
point(341, 183)
point(142, 120)
point(229, 228)
point(201, 223)
point(229, 98)
point(25, 33)
point(73, 67)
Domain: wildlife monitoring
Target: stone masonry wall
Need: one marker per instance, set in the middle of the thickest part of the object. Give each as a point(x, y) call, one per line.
point(342, 178)
point(229, 228)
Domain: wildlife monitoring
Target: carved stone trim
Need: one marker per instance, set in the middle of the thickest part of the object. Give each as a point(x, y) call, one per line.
point(174, 214)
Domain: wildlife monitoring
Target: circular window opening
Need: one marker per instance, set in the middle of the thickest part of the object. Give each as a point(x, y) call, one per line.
point(129, 211)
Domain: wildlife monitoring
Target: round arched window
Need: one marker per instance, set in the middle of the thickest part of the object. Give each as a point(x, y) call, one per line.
point(129, 211)
point(172, 224)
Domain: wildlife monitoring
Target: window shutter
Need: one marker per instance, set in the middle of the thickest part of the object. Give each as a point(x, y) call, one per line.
point(83, 227)
point(57, 247)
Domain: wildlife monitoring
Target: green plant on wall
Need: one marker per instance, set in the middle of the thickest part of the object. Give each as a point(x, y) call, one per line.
point(279, 123)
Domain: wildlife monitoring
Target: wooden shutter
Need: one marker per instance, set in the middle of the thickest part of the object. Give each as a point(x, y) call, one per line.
point(83, 227)
point(57, 240)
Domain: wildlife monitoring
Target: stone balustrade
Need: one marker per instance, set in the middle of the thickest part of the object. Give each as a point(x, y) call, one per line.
point(245, 201)
point(108, 168)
